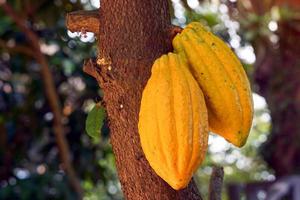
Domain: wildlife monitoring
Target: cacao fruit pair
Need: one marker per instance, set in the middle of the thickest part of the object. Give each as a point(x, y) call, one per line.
point(201, 87)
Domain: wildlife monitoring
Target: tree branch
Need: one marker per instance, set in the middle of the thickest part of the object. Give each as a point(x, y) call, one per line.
point(51, 95)
point(31, 9)
point(89, 67)
point(83, 21)
point(216, 182)
point(17, 49)
point(186, 6)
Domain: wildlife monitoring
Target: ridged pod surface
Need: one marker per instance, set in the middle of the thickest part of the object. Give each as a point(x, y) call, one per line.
point(222, 79)
point(173, 124)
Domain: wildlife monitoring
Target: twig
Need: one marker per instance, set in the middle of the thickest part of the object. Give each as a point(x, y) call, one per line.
point(216, 182)
point(89, 67)
point(83, 21)
point(51, 95)
point(174, 30)
point(186, 6)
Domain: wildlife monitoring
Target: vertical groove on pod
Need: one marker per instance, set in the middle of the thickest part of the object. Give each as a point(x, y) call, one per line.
point(189, 147)
point(194, 131)
point(174, 145)
point(159, 131)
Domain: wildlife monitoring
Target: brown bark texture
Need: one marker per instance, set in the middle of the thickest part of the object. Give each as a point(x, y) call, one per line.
point(132, 34)
point(89, 21)
point(278, 77)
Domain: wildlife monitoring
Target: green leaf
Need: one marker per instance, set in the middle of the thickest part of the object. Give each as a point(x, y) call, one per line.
point(94, 121)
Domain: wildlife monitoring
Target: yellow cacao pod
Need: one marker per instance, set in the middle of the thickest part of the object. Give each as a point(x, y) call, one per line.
point(173, 124)
point(222, 79)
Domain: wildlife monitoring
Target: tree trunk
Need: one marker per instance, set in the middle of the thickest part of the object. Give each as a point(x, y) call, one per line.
point(277, 74)
point(133, 33)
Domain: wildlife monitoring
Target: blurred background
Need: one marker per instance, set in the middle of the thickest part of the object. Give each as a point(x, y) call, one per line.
point(265, 34)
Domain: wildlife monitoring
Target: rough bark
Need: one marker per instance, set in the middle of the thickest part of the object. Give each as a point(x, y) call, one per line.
point(133, 33)
point(86, 21)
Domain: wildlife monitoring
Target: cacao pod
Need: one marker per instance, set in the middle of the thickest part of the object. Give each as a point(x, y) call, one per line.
point(173, 124)
point(222, 79)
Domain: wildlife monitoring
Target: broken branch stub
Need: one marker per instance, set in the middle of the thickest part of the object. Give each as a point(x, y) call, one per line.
point(83, 21)
point(89, 67)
